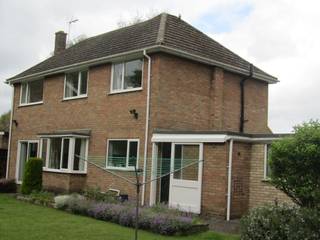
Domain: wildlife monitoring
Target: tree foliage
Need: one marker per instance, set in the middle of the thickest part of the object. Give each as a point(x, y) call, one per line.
point(5, 121)
point(295, 164)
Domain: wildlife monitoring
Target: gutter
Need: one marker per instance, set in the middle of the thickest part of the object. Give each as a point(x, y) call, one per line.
point(229, 180)
point(10, 134)
point(147, 127)
point(154, 48)
point(242, 82)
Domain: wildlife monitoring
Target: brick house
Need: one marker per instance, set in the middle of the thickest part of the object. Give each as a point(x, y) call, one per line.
point(153, 95)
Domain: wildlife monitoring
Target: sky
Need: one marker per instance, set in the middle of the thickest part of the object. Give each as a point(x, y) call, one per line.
point(279, 36)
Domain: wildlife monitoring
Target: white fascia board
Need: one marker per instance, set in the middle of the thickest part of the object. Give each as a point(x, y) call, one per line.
point(189, 138)
point(202, 138)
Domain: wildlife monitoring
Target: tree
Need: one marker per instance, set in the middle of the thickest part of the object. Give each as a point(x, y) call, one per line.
point(295, 165)
point(5, 121)
point(137, 18)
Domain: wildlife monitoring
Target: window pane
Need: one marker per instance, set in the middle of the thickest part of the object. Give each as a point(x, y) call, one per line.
point(117, 153)
point(35, 91)
point(23, 93)
point(44, 151)
point(268, 168)
point(65, 154)
point(33, 150)
point(79, 150)
point(133, 74)
point(133, 154)
point(72, 84)
point(83, 84)
point(55, 153)
point(186, 160)
point(22, 159)
point(117, 76)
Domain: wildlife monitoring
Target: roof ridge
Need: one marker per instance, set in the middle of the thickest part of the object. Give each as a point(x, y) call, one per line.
point(162, 28)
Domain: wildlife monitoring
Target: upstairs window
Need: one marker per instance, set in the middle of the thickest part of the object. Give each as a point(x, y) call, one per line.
point(122, 154)
point(76, 84)
point(126, 76)
point(31, 92)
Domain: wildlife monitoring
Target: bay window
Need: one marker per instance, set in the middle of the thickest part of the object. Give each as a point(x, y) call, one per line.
point(65, 154)
point(76, 84)
point(122, 153)
point(31, 92)
point(126, 76)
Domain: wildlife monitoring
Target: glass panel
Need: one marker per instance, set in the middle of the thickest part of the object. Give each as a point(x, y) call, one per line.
point(83, 83)
point(117, 76)
point(133, 153)
point(55, 153)
point(72, 82)
point(35, 91)
point(65, 153)
point(22, 159)
point(79, 150)
point(117, 153)
point(186, 161)
point(133, 74)
point(33, 150)
point(44, 151)
point(23, 93)
point(268, 168)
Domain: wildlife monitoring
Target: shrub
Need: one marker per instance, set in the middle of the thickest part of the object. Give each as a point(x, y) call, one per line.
point(95, 194)
point(281, 223)
point(8, 186)
point(43, 198)
point(295, 165)
point(32, 179)
point(64, 202)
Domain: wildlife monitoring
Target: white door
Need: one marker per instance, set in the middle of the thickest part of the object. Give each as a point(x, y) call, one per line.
point(186, 180)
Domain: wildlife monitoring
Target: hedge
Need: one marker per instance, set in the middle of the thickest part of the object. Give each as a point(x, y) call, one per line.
point(32, 179)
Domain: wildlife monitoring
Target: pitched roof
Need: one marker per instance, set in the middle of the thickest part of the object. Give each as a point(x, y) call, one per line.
point(162, 33)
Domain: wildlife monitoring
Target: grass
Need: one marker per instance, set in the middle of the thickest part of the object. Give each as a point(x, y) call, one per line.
point(20, 220)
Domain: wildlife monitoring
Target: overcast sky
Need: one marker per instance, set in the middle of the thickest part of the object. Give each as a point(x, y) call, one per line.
point(279, 36)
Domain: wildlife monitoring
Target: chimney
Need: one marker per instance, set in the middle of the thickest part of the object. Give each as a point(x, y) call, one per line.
point(60, 42)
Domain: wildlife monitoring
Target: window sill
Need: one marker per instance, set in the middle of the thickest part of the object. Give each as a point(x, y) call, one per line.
point(30, 104)
point(74, 98)
point(266, 180)
point(125, 91)
point(124, 169)
point(62, 171)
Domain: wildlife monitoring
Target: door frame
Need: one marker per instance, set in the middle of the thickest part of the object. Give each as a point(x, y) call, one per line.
point(153, 185)
point(18, 155)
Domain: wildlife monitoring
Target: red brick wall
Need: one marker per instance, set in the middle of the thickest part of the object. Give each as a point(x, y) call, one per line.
point(261, 191)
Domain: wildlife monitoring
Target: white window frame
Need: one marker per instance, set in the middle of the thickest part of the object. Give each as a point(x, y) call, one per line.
point(79, 85)
point(70, 155)
point(122, 80)
point(127, 167)
point(28, 92)
point(18, 155)
point(265, 161)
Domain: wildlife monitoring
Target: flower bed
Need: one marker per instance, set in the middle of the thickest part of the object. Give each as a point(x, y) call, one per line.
point(158, 219)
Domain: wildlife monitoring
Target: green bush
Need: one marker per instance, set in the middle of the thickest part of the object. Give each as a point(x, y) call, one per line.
point(295, 165)
point(42, 198)
point(32, 179)
point(284, 222)
point(8, 186)
point(96, 195)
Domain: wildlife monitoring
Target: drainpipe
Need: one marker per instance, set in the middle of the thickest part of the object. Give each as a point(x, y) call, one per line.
point(10, 133)
point(242, 120)
point(147, 127)
point(229, 179)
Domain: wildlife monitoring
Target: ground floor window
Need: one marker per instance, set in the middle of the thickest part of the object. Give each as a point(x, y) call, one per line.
point(267, 168)
point(66, 154)
point(26, 149)
point(122, 153)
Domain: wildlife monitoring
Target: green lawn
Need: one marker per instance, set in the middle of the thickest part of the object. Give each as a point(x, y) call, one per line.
point(19, 220)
